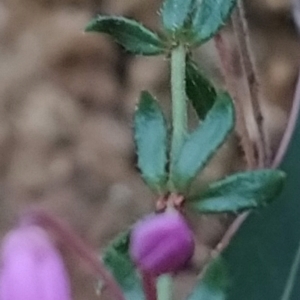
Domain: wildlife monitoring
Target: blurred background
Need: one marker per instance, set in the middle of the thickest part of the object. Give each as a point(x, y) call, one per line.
point(66, 105)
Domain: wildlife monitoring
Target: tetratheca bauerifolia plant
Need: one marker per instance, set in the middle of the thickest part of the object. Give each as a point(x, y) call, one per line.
point(139, 264)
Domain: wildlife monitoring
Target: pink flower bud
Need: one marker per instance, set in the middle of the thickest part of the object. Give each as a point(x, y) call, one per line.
point(162, 243)
point(32, 268)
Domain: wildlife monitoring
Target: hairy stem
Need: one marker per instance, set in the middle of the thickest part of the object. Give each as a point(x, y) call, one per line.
point(241, 31)
point(71, 240)
point(179, 103)
point(233, 83)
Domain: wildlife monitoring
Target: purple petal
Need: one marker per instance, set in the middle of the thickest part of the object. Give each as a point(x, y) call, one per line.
point(162, 243)
point(32, 268)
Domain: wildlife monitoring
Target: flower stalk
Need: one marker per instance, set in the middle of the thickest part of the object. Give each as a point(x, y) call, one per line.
point(149, 286)
point(71, 240)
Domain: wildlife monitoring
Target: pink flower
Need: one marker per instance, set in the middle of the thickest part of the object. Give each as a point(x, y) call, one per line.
point(32, 268)
point(162, 243)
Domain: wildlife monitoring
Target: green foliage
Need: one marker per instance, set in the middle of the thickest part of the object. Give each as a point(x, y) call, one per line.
point(175, 14)
point(150, 133)
point(199, 90)
point(240, 192)
point(195, 21)
point(214, 283)
point(264, 256)
point(133, 36)
point(209, 17)
point(191, 22)
point(201, 144)
point(117, 259)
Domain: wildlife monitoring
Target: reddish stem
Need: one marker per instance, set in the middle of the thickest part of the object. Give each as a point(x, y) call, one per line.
point(69, 238)
point(241, 31)
point(149, 285)
point(233, 84)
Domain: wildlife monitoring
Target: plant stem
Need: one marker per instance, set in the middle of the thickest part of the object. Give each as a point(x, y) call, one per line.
point(70, 239)
point(164, 288)
point(179, 103)
point(233, 83)
point(149, 286)
point(240, 27)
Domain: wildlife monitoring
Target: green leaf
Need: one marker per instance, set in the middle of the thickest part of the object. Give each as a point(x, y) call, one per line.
point(214, 283)
point(240, 192)
point(150, 133)
point(201, 144)
point(264, 256)
point(210, 17)
point(199, 90)
point(175, 13)
point(117, 259)
point(133, 36)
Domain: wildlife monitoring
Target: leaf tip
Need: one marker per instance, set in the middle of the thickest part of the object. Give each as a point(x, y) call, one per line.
point(90, 27)
point(281, 177)
point(282, 174)
point(147, 101)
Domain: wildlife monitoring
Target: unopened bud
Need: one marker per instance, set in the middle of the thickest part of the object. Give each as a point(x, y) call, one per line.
point(32, 268)
point(162, 243)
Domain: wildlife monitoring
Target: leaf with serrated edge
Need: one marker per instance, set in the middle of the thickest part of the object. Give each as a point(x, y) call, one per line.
point(150, 134)
point(214, 283)
point(210, 17)
point(239, 192)
point(199, 90)
point(202, 144)
point(117, 259)
point(133, 36)
point(175, 13)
